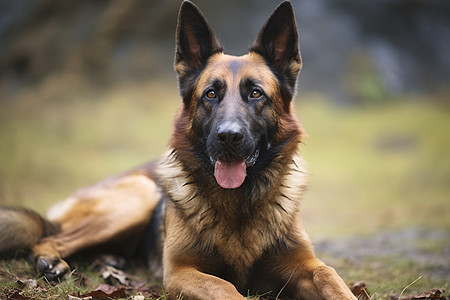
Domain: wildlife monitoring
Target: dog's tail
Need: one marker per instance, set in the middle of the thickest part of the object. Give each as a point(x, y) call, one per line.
point(22, 228)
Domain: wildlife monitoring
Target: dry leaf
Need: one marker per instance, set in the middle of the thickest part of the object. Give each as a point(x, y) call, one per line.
point(17, 296)
point(70, 297)
point(27, 283)
point(105, 291)
point(152, 292)
point(359, 289)
point(114, 276)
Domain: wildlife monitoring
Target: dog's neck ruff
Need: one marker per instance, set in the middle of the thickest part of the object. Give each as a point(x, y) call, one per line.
point(206, 215)
point(181, 188)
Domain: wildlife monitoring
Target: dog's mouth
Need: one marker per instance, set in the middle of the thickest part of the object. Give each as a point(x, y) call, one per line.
point(231, 174)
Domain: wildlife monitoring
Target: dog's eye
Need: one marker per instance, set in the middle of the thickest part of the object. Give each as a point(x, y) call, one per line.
point(256, 94)
point(211, 94)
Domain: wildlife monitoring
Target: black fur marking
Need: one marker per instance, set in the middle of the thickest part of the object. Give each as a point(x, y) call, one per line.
point(153, 242)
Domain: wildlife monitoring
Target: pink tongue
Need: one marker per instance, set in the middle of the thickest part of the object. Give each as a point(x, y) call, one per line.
point(230, 175)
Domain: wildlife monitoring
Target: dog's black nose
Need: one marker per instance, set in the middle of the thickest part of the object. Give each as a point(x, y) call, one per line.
point(230, 133)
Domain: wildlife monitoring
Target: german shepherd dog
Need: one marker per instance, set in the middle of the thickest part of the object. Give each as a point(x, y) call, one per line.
point(219, 213)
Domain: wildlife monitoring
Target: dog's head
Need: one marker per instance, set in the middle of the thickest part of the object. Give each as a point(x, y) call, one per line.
point(237, 111)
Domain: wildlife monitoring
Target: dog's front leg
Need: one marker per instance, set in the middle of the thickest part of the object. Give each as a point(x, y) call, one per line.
point(185, 270)
point(187, 282)
point(330, 284)
point(309, 278)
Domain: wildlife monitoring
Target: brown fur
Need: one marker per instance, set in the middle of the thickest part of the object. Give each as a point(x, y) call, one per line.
point(216, 243)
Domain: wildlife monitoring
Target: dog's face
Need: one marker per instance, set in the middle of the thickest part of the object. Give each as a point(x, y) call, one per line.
point(236, 110)
point(235, 114)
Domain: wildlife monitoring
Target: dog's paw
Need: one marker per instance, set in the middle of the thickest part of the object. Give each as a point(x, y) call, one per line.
point(52, 267)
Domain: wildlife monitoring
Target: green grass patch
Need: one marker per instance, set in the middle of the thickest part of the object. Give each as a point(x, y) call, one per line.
point(377, 167)
point(17, 276)
point(389, 276)
point(52, 146)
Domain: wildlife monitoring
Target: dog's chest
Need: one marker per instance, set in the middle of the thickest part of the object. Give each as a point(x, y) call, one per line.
point(217, 224)
point(239, 247)
point(240, 240)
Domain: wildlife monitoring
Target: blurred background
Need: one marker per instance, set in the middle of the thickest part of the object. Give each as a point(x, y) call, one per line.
point(87, 89)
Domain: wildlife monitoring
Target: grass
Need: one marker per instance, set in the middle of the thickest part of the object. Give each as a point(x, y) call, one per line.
point(378, 167)
point(386, 275)
point(372, 168)
point(51, 146)
point(17, 275)
point(396, 275)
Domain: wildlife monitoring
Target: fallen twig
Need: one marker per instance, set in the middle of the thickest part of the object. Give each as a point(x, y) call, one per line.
point(404, 289)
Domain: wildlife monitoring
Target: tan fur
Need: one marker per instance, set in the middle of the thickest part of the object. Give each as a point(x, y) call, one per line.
point(183, 264)
point(101, 213)
point(214, 230)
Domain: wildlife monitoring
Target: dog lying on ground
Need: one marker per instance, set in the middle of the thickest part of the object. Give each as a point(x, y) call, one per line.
point(218, 215)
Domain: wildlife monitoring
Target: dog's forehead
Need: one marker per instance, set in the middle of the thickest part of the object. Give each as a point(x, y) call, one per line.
point(233, 69)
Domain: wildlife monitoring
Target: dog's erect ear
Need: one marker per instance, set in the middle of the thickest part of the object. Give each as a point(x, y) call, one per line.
point(195, 40)
point(277, 42)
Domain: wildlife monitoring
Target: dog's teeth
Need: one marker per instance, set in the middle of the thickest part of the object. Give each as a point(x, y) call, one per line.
point(251, 160)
